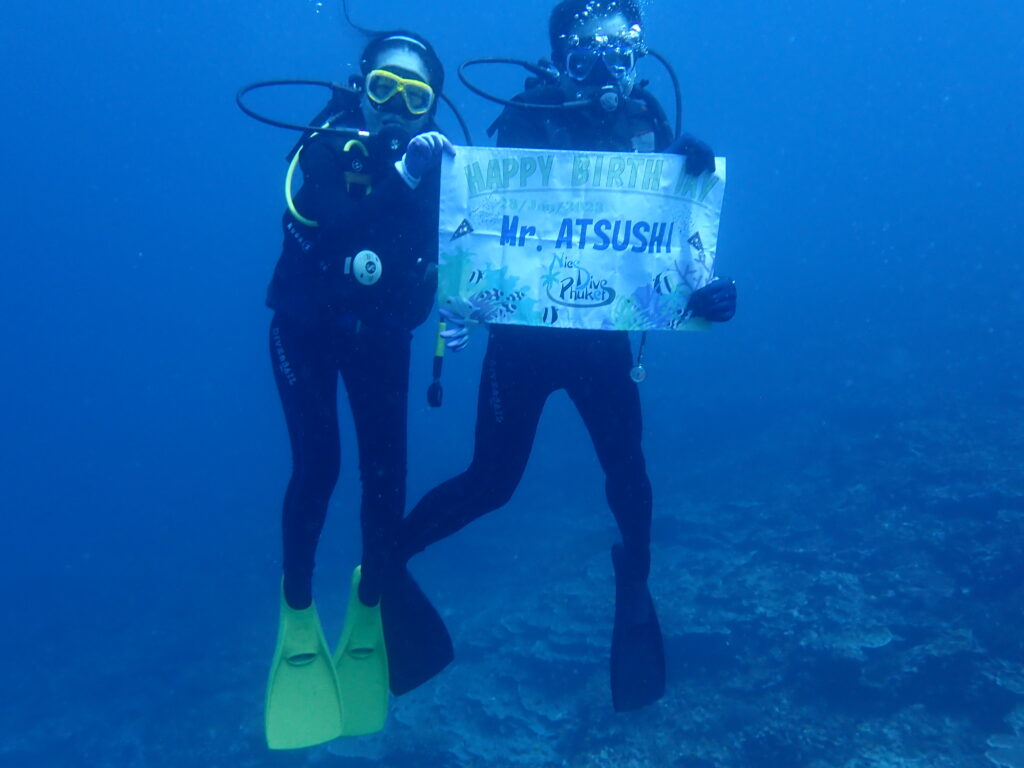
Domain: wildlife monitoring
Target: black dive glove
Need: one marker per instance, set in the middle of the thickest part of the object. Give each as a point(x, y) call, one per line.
point(716, 301)
point(700, 158)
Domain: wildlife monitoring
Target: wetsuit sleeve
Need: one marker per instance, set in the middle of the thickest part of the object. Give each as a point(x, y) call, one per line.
point(663, 130)
point(421, 206)
point(525, 127)
point(517, 128)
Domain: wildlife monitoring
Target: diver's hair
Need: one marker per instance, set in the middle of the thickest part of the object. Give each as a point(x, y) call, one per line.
point(410, 41)
point(568, 13)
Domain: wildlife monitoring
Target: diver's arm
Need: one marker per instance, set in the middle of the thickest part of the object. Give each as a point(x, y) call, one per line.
point(663, 131)
point(700, 158)
point(516, 131)
point(411, 188)
point(421, 276)
point(520, 135)
point(524, 127)
point(420, 172)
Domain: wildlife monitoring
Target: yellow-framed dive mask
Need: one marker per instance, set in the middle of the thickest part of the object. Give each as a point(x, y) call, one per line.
point(382, 86)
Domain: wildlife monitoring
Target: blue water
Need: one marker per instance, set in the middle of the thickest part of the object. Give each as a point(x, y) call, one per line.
point(839, 502)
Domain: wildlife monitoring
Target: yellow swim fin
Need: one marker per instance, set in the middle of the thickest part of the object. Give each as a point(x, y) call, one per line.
point(304, 705)
point(361, 662)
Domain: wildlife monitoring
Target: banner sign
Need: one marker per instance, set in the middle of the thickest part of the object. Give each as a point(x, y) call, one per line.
point(598, 240)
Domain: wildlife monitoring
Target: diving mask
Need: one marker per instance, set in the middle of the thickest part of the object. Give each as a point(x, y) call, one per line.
point(618, 60)
point(382, 86)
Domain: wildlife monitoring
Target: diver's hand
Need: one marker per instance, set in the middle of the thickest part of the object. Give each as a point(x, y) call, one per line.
point(700, 158)
point(456, 334)
point(716, 301)
point(423, 155)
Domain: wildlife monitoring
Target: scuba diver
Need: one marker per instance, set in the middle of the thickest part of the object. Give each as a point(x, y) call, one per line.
point(357, 273)
point(592, 102)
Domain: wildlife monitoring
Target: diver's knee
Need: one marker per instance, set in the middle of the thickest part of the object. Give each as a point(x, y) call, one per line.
point(632, 559)
point(494, 489)
point(315, 481)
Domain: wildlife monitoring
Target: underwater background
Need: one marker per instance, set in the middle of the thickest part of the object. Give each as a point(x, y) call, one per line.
point(839, 498)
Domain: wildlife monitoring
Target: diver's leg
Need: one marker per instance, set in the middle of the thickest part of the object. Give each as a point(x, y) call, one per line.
point(306, 375)
point(416, 641)
point(609, 402)
point(375, 369)
point(509, 403)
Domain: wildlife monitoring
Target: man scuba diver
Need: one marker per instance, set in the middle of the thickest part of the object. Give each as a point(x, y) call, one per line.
point(356, 274)
point(596, 104)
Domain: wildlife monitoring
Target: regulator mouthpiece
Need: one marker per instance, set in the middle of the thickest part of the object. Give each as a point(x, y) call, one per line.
point(609, 99)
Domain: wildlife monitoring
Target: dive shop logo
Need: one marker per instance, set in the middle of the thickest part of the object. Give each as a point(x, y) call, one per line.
point(495, 395)
point(569, 284)
point(304, 244)
point(283, 365)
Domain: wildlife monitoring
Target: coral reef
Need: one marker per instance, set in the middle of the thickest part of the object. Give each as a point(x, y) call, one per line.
point(863, 612)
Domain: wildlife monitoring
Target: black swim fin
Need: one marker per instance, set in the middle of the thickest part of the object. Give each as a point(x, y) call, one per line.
point(417, 641)
point(638, 654)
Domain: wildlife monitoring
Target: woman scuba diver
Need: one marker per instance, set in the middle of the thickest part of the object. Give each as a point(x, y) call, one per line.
point(357, 273)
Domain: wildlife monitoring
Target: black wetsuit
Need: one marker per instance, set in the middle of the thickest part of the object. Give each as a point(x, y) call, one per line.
point(326, 322)
point(524, 365)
